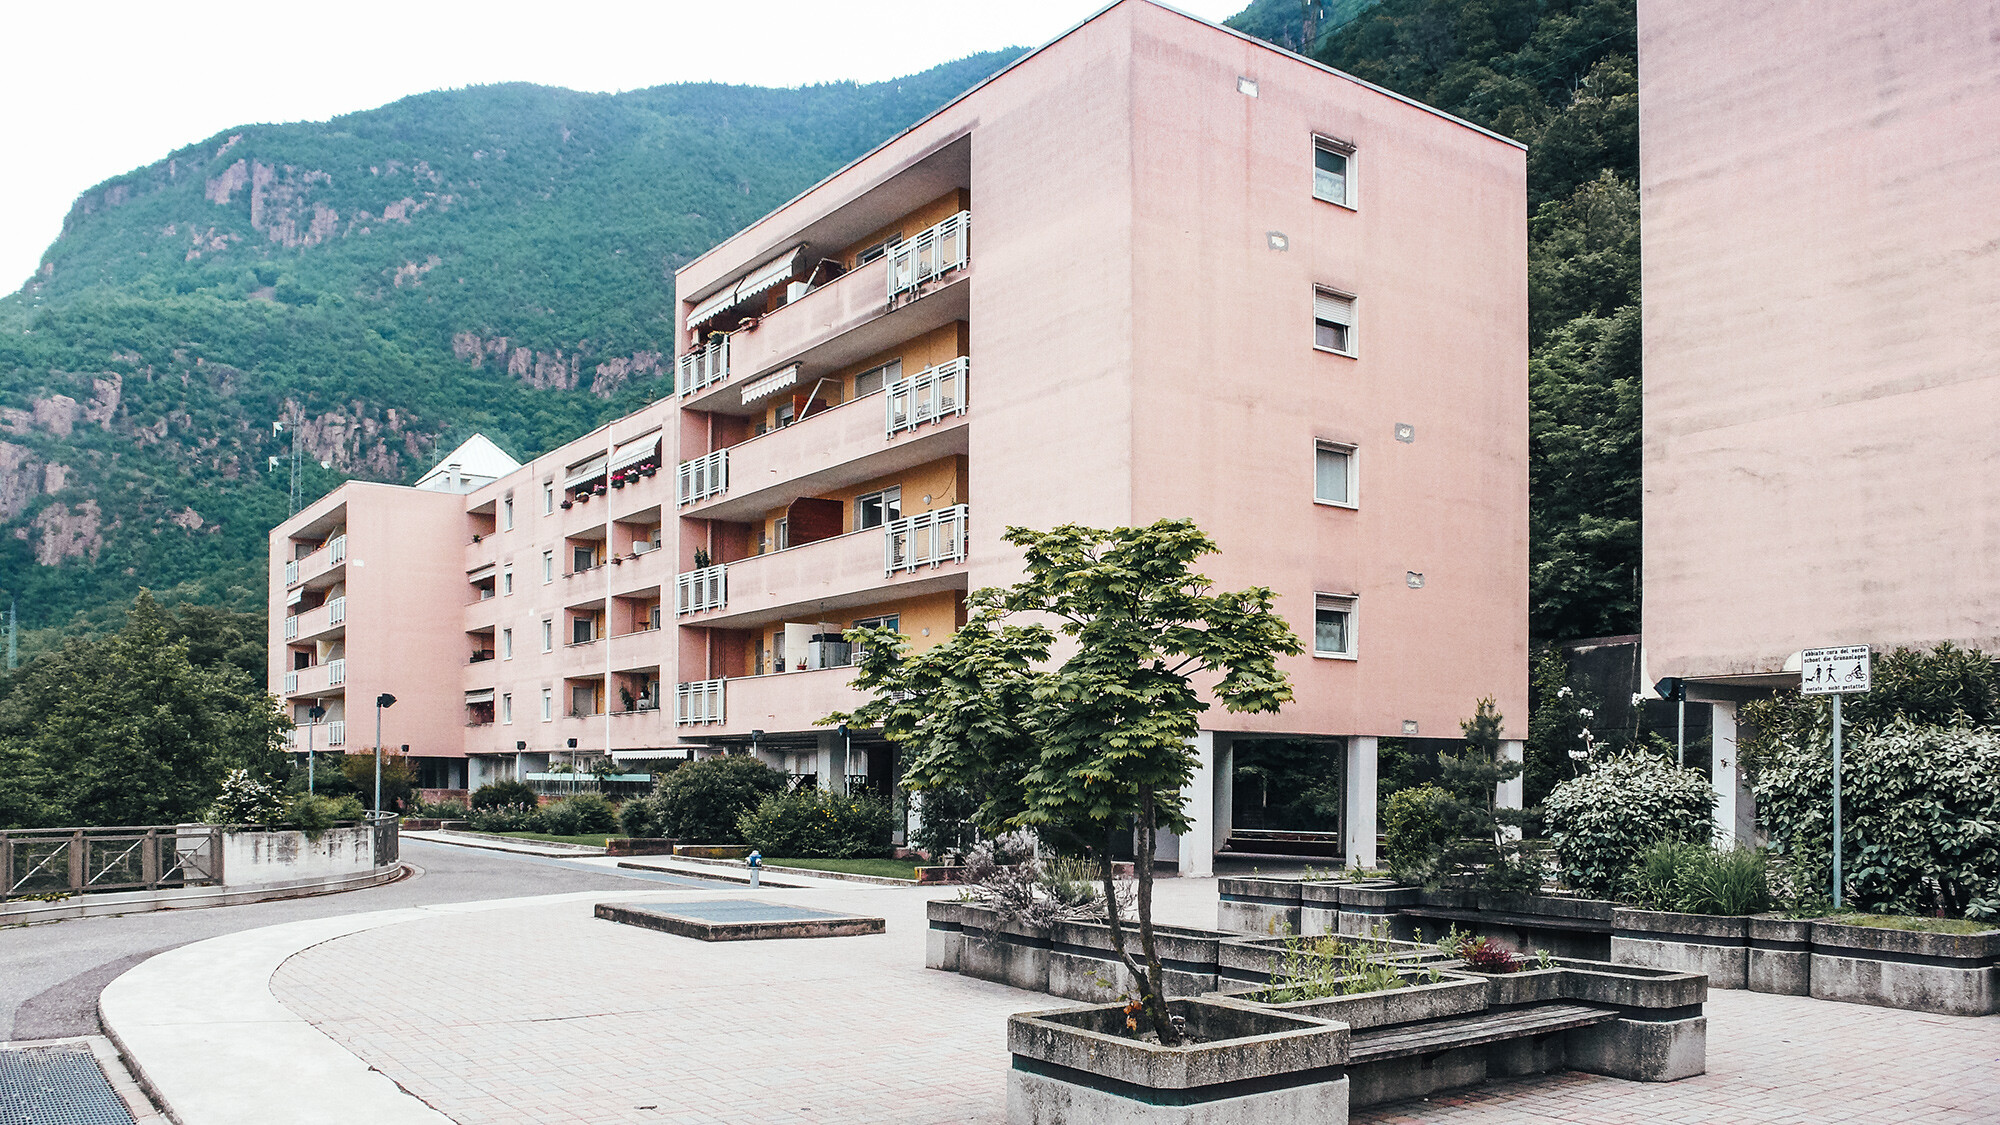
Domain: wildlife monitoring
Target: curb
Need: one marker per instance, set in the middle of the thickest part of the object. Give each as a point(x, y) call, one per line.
point(195, 898)
point(717, 876)
point(541, 848)
point(808, 872)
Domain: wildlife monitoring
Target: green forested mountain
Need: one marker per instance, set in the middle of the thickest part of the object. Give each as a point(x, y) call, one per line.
point(495, 259)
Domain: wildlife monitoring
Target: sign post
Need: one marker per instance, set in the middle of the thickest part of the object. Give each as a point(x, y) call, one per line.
point(1835, 672)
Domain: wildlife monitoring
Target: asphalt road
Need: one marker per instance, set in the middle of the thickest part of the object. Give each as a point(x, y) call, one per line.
point(52, 972)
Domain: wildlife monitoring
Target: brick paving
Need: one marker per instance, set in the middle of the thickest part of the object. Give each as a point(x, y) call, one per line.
point(545, 1014)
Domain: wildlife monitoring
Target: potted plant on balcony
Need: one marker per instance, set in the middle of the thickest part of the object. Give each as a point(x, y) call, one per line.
point(1084, 751)
point(568, 504)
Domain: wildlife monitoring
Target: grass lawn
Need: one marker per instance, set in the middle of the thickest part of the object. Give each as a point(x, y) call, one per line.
point(892, 868)
point(1906, 922)
point(588, 841)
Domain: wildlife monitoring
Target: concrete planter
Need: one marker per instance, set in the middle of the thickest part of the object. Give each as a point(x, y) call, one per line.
point(1948, 974)
point(1009, 953)
point(1565, 926)
point(1076, 1066)
point(631, 845)
point(1780, 955)
point(712, 851)
point(1375, 910)
point(1257, 960)
point(250, 858)
point(1420, 999)
point(1083, 965)
point(945, 935)
point(1258, 905)
point(1717, 946)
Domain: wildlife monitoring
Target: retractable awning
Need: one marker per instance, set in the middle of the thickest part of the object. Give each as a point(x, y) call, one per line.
point(485, 696)
point(588, 471)
point(771, 384)
point(773, 272)
point(635, 451)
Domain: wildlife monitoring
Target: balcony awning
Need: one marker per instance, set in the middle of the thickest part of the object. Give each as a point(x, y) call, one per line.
point(485, 696)
point(771, 273)
point(588, 471)
point(667, 752)
point(296, 596)
point(771, 384)
point(633, 452)
point(483, 570)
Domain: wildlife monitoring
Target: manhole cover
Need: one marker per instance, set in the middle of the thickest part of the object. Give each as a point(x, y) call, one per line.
point(57, 1086)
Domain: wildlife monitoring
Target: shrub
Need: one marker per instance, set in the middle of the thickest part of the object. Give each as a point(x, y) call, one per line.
point(1698, 879)
point(313, 814)
point(399, 777)
point(436, 810)
point(582, 814)
point(703, 801)
point(1487, 956)
point(813, 823)
point(506, 818)
point(1919, 805)
point(1417, 833)
point(639, 818)
point(498, 793)
point(245, 800)
point(1600, 823)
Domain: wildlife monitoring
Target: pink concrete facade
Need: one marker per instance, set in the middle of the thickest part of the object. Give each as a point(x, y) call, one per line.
point(1822, 358)
point(1140, 347)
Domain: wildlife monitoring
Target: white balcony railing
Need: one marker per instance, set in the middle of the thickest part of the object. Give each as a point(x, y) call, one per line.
point(705, 365)
point(930, 394)
point(704, 589)
point(339, 548)
point(336, 611)
point(292, 573)
point(698, 702)
point(336, 733)
point(931, 254)
point(336, 673)
point(929, 538)
point(292, 628)
point(291, 682)
point(704, 477)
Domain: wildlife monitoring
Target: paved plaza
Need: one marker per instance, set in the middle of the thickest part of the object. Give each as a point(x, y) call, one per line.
point(542, 1013)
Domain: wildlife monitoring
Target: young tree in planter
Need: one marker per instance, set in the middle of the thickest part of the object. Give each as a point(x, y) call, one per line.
point(1479, 827)
point(1101, 743)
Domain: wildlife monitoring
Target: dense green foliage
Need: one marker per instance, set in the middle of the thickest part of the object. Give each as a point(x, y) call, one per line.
point(499, 794)
point(1415, 832)
point(129, 729)
point(1559, 76)
point(1479, 845)
point(578, 815)
point(378, 272)
point(701, 802)
point(1601, 823)
point(1100, 744)
point(1694, 878)
point(816, 824)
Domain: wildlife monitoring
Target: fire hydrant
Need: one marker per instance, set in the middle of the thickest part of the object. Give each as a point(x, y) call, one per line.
point(756, 862)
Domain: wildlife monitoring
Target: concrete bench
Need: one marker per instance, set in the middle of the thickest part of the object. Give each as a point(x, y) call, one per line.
point(1437, 1036)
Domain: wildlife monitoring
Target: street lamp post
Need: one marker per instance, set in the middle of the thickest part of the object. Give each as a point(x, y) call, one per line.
point(381, 701)
point(313, 715)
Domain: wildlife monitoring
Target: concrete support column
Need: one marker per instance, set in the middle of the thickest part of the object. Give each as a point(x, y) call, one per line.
point(1508, 794)
point(1357, 821)
point(827, 762)
point(1195, 852)
point(1225, 791)
point(1725, 775)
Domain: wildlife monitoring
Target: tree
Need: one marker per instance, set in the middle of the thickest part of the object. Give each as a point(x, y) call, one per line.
point(1101, 743)
point(1478, 827)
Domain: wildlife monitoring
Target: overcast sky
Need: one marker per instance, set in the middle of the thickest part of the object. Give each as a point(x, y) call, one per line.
point(96, 89)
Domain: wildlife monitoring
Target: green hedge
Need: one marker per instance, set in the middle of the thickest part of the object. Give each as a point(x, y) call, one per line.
point(1602, 823)
point(813, 823)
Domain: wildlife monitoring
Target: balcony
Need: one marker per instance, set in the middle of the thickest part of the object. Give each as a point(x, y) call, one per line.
point(704, 366)
point(317, 679)
point(317, 621)
point(788, 701)
point(844, 445)
point(916, 555)
point(843, 321)
point(317, 564)
point(932, 254)
point(698, 591)
point(703, 477)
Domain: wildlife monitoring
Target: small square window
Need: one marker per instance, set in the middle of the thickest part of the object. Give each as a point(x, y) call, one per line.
point(1333, 322)
point(1333, 172)
point(548, 634)
point(507, 708)
point(1333, 474)
point(548, 497)
point(548, 567)
point(548, 705)
point(1333, 626)
point(507, 581)
point(506, 644)
point(507, 510)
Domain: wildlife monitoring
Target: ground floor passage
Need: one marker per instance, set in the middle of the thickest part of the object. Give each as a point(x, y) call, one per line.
point(488, 1019)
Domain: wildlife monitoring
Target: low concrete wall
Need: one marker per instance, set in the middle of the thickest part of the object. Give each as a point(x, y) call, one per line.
point(1949, 974)
point(251, 858)
point(1718, 945)
point(191, 898)
point(1780, 955)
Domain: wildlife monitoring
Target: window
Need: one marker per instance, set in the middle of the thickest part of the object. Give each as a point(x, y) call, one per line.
point(1333, 164)
point(1333, 322)
point(548, 634)
point(1333, 626)
point(548, 497)
point(506, 644)
point(507, 580)
point(581, 629)
point(507, 707)
point(877, 250)
point(548, 567)
point(891, 621)
point(787, 414)
point(548, 704)
point(582, 558)
point(784, 534)
point(1333, 474)
point(507, 514)
point(878, 508)
point(875, 378)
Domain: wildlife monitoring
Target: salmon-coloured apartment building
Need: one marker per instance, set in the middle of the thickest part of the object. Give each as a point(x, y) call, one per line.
point(1154, 269)
point(1821, 350)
